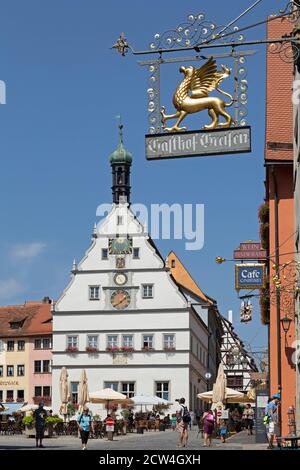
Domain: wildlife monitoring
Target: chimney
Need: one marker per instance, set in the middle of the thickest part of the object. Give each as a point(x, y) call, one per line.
point(47, 300)
point(230, 316)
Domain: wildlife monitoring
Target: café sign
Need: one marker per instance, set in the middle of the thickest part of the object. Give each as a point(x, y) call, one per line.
point(250, 276)
point(198, 143)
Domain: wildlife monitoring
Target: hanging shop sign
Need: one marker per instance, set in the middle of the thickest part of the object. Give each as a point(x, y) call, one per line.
point(198, 143)
point(250, 276)
point(250, 250)
point(246, 312)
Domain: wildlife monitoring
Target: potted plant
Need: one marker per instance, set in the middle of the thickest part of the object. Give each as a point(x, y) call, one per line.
point(28, 422)
point(50, 422)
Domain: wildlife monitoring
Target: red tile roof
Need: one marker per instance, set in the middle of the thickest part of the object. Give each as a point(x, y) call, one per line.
point(36, 318)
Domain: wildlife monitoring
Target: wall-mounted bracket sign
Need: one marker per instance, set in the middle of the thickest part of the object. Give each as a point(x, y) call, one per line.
point(250, 276)
point(250, 250)
point(198, 143)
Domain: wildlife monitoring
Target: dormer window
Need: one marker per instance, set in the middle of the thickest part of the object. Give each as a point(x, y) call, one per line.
point(14, 325)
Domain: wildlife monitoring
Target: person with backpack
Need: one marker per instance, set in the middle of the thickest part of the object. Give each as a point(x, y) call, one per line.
point(184, 419)
point(85, 425)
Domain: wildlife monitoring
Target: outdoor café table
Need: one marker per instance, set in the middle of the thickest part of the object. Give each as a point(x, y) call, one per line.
point(293, 439)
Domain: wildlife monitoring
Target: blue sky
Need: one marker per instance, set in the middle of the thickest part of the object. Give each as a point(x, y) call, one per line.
point(64, 88)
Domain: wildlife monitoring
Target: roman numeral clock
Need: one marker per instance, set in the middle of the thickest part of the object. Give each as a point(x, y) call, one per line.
point(120, 298)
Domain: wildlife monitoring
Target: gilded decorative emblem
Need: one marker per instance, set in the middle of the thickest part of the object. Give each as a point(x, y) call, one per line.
point(191, 96)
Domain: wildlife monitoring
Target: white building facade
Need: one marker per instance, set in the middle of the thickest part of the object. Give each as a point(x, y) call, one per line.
point(122, 317)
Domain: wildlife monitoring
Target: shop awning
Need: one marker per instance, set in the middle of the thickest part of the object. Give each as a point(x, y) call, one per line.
point(11, 408)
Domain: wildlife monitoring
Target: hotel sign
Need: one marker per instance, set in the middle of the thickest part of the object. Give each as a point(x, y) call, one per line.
point(8, 382)
point(250, 276)
point(198, 143)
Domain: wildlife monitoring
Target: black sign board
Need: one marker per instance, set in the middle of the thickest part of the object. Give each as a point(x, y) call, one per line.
point(260, 429)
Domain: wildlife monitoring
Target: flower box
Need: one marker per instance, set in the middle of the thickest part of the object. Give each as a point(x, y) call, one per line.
point(46, 400)
point(91, 349)
point(169, 348)
point(127, 349)
point(112, 349)
point(147, 349)
point(72, 349)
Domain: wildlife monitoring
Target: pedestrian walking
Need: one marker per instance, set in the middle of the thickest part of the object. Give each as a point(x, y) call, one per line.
point(208, 427)
point(173, 421)
point(85, 425)
point(272, 419)
point(40, 415)
point(223, 430)
point(183, 423)
point(248, 417)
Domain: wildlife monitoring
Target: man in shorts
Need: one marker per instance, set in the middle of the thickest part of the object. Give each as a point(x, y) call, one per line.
point(272, 427)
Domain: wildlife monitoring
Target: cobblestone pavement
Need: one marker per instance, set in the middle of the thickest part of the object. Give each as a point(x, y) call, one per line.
point(148, 441)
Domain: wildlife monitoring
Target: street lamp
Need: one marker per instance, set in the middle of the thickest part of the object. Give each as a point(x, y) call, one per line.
point(285, 323)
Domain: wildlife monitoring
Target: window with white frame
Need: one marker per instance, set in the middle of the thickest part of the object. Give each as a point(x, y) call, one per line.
point(74, 392)
point(42, 343)
point(128, 389)
point(10, 345)
point(38, 391)
point(92, 341)
point(10, 371)
point(169, 341)
point(10, 395)
point(20, 370)
point(113, 385)
point(136, 253)
point(72, 341)
point(94, 292)
point(127, 341)
point(104, 253)
point(21, 345)
point(147, 291)
point(1, 371)
point(112, 341)
point(162, 390)
point(148, 341)
point(119, 220)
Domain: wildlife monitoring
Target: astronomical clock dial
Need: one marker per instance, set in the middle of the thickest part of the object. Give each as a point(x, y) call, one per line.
point(120, 299)
point(120, 246)
point(120, 279)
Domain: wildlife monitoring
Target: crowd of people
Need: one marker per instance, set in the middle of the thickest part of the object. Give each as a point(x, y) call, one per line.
point(210, 423)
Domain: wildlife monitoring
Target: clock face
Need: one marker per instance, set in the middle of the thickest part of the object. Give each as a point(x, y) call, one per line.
point(120, 246)
point(120, 279)
point(120, 299)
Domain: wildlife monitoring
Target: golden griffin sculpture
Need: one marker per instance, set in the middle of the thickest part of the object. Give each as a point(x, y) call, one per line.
point(191, 96)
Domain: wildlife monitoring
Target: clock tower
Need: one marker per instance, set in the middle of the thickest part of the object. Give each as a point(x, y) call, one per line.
point(120, 161)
